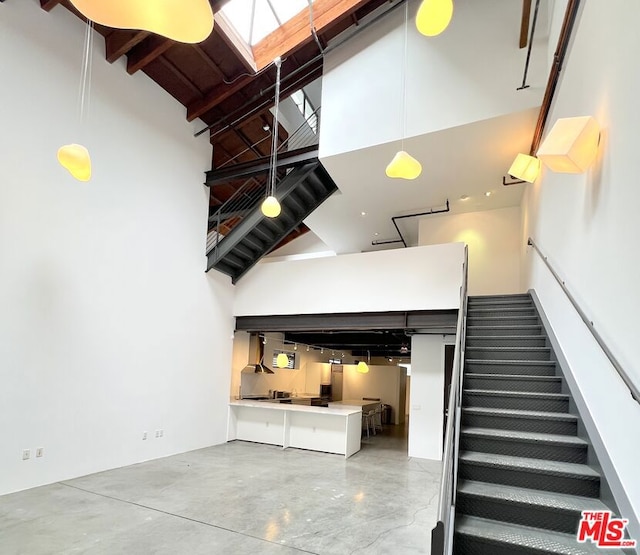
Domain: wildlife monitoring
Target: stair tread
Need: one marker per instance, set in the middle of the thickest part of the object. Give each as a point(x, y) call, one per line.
point(515, 377)
point(514, 413)
point(506, 348)
point(537, 437)
point(538, 498)
point(517, 535)
point(510, 362)
point(542, 466)
point(532, 394)
point(525, 337)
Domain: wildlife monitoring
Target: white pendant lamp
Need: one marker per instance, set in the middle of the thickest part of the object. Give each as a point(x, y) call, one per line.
point(571, 146)
point(270, 206)
point(434, 16)
point(403, 165)
point(188, 21)
point(525, 167)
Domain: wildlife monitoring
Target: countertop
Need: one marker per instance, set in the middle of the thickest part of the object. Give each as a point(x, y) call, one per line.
point(337, 411)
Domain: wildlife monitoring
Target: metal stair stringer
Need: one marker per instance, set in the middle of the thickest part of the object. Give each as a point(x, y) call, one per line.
point(300, 192)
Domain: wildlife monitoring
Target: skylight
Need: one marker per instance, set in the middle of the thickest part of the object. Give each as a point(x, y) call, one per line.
point(255, 19)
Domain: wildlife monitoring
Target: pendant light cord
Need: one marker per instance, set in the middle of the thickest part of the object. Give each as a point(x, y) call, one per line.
point(85, 74)
point(404, 73)
point(271, 184)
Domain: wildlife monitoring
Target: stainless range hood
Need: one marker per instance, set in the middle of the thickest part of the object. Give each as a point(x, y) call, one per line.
point(256, 353)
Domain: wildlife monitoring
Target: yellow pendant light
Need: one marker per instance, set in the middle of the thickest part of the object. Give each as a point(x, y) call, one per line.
point(271, 207)
point(282, 360)
point(525, 167)
point(404, 166)
point(75, 158)
point(434, 16)
point(188, 21)
point(362, 367)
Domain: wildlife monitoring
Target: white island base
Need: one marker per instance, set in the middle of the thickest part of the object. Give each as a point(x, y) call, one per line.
point(331, 430)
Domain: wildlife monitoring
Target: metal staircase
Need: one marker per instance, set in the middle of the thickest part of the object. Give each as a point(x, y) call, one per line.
point(523, 472)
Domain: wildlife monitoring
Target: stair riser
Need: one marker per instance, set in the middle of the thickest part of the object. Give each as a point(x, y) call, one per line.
point(531, 341)
point(564, 453)
point(470, 545)
point(501, 331)
point(517, 403)
point(517, 298)
point(520, 424)
point(533, 386)
point(560, 520)
point(525, 478)
point(484, 322)
point(518, 369)
point(495, 353)
point(499, 312)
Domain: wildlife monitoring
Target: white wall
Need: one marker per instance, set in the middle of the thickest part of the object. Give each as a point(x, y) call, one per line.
point(494, 241)
point(477, 57)
point(362, 282)
point(426, 397)
point(381, 382)
point(588, 227)
point(109, 326)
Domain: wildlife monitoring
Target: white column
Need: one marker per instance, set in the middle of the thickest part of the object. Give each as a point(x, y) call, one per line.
point(426, 397)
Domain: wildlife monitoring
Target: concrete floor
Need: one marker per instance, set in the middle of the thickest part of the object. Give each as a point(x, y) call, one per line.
point(234, 499)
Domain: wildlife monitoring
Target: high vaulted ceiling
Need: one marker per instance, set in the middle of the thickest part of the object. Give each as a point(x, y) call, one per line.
point(217, 81)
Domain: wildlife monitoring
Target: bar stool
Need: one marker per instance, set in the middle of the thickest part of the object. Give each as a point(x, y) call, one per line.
point(377, 423)
point(368, 422)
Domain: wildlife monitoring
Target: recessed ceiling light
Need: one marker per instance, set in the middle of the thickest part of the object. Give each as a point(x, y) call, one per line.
point(376, 234)
point(487, 194)
point(363, 213)
point(464, 197)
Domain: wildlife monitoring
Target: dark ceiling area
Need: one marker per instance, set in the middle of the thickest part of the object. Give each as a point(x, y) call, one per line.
point(216, 83)
point(361, 343)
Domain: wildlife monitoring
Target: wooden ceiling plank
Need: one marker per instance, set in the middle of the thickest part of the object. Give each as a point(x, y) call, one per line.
point(120, 43)
point(237, 45)
point(524, 23)
point(181, 76)
point(210, 63)
point(216, 96)
point(48, 5)
point(147, 51)
point(296, 31)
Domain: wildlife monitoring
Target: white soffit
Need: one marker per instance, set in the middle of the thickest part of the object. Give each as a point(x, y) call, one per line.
point(465, 160)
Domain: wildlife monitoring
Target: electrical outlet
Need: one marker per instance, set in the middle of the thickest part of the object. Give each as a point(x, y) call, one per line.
point(157, 433)
point(144, 435)
point(26, 454)
point(40, 452)
point(161, 433)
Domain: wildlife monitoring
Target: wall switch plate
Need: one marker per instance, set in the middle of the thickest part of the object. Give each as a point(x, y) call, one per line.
point(40, 452)
point(416, 407)
point(26, 454)
point(144, 435)
point(157, 433)
point(161, 433)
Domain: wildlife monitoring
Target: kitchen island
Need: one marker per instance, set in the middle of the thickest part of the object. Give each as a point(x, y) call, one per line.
point(331, 430)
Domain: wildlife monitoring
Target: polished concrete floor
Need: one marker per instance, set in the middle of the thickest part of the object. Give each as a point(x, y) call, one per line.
point(234, 499)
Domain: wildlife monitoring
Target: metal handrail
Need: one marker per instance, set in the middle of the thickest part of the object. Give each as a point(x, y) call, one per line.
point(442, 533)
point(248, 196)
point(635, 392)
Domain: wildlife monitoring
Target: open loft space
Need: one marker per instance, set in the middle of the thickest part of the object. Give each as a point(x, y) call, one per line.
point(319, 276)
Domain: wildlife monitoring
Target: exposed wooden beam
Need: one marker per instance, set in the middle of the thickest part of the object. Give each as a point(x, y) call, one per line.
point(147, 51)
point(296, 31)
point(119, 43)
point(180, 76)
point(210, 63)
point(48, 5)
point(524, 23)
point(216, 96)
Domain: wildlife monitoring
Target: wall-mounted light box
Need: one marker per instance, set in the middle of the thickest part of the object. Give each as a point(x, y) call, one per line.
point(291, 365)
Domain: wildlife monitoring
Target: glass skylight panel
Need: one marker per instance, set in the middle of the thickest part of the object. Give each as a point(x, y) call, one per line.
point(286, 9)
point(264, 22)
point(267, 16)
